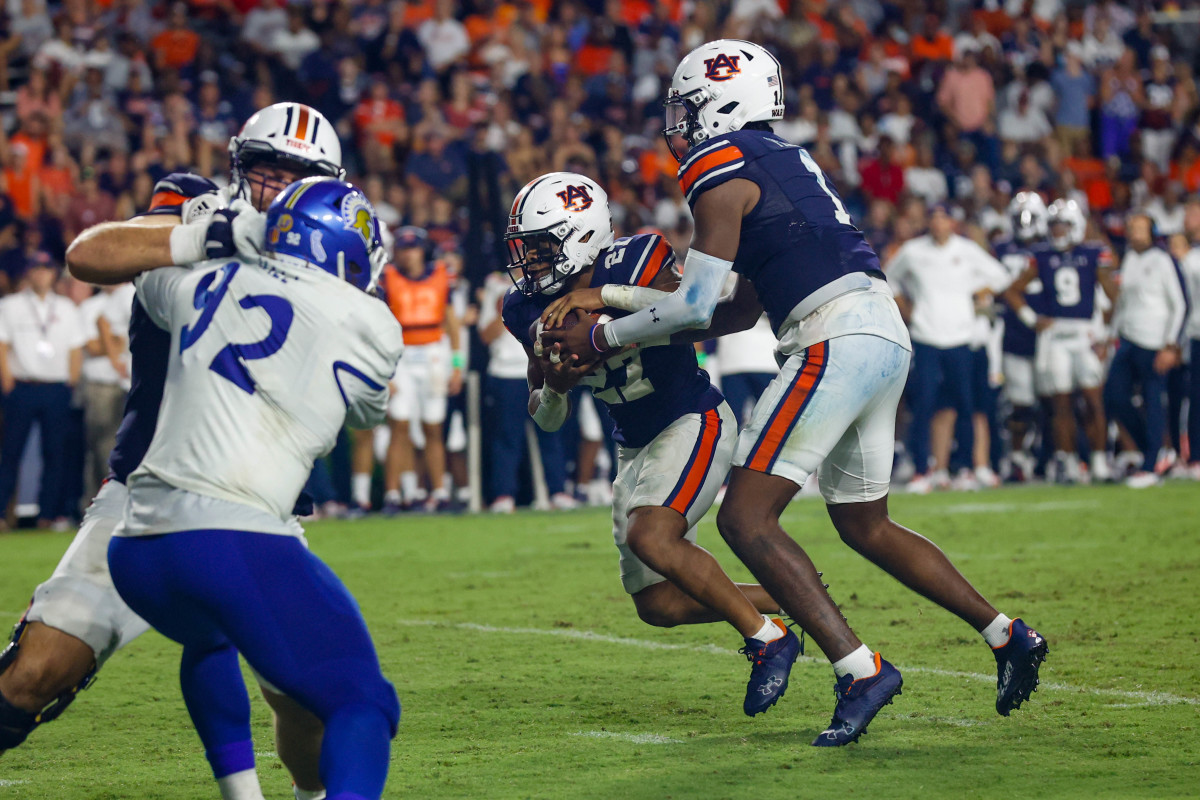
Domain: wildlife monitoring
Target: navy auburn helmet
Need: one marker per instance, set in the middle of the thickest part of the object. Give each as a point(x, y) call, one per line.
point(328, 224)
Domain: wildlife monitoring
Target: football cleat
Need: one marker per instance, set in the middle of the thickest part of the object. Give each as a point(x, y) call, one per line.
point(1017, 664)
point(858, 701)
point(771, 664)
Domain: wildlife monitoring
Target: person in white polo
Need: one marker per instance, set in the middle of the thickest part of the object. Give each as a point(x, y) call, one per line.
point(936, 278)
point(105, 376)
point(1148, 322)
point(41, 355)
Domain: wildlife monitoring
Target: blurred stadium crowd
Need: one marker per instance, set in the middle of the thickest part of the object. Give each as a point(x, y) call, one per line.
point(446, 108)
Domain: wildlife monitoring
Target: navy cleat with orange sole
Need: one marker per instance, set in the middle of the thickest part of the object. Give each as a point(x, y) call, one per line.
point(1017, 665)
point(771, 664)
point(858, 701)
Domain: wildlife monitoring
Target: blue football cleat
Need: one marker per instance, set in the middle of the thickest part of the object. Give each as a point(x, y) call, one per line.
point(771, 664)
point(858, 701)
point(1017, 664)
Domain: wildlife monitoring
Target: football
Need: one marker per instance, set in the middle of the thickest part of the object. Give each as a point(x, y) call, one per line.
point(572, 319)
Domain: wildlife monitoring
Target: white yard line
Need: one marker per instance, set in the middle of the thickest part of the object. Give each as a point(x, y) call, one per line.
point(1005, 508)
point(1137, 698)
point(5, 784)
point(634, 738)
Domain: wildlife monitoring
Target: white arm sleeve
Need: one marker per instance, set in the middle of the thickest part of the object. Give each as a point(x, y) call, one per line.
point(552, 410)
point(689, 306)
point(630, 298)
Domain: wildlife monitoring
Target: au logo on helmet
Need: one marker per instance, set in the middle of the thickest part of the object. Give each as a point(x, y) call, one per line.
point(721, 68)
point(575, 198)
point(357, 215)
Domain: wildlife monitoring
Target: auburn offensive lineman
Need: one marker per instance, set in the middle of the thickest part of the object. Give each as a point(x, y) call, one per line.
point(1070, 271)
point(76, 619)
point(675, 431)
point(764, 209)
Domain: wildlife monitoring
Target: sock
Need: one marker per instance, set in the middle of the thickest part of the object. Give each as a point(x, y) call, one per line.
point(301, 794)
point(769, 632)
point(859, 664)
point(996, 632)
point(360, 490)
point(392, 496)
point(441, 494)
point(240, 786)
point(463, 494)
point(408, 486)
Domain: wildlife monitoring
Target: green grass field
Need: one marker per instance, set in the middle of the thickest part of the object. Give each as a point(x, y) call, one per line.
point(524, 671)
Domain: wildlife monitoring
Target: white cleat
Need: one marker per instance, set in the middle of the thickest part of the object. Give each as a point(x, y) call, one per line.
point(987, 478)
point(1142, 480)
point(921, 484)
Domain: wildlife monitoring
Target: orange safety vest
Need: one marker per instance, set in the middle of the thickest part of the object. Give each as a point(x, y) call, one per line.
point(419, 305)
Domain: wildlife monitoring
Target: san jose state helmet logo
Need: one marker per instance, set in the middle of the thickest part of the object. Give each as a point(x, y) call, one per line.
point(575, 198)
point(721, 68)
point(357, 215)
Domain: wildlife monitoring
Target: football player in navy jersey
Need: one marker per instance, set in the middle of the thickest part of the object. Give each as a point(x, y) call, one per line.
point(1028, 212)
point(76, 620)
point(764, 209)
point(675, 430)
point(1069, 271)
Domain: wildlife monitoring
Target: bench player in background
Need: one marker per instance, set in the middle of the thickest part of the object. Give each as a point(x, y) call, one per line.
point(418, 292)
point(269, 358)
point(1068, 270)
point(76, 620)
point(1028, 212)
point(764, 209)
point(675, 430)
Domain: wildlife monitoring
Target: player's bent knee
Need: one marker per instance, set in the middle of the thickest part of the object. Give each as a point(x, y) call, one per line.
point(652, 610)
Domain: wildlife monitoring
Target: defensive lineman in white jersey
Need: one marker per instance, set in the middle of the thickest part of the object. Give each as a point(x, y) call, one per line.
point(269, 358)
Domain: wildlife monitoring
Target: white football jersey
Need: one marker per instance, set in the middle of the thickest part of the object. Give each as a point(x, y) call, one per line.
point(268, 362)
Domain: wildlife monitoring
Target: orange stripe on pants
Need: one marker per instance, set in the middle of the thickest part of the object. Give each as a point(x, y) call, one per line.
point(698, 470)
point(772, 439)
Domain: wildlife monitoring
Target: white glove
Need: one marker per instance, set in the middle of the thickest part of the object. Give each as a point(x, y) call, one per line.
point(249, 230)
point(200, 208)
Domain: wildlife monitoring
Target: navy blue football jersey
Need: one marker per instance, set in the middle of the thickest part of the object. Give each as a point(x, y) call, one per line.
point(1019, 338)
point(645, 388)
point(799, 237)
point(1069, 279)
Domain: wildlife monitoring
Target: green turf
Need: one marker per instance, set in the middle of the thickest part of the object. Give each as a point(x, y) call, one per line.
point(529, 706)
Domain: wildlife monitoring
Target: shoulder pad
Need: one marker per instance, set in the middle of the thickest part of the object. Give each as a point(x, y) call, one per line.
point(173, 191)
point(637, 260)
point(708, 162)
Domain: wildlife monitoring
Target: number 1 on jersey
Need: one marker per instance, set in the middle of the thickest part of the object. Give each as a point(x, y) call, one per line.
point(839, 210)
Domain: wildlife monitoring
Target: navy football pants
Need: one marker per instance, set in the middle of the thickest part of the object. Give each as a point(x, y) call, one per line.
point(220, 592)
point(936, 373)
point(1133, 365)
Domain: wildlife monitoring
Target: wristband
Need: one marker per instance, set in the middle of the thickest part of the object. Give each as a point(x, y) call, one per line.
point(603, 337)
point(1027, 316)
point(458, 360)
point(701, 359)
point(188, 244)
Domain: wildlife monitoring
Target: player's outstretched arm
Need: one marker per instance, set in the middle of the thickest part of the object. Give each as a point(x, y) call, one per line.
point(115, 252)
point(738, 312)
point(718, 215)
